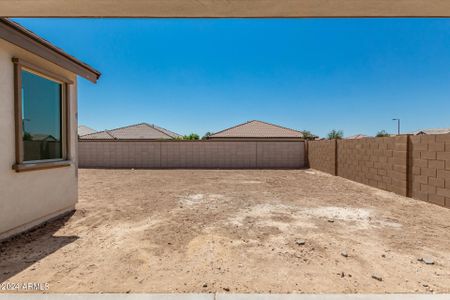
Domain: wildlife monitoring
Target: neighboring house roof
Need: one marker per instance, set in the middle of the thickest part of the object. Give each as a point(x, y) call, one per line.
point(432, 131)
point(42, 137)
point(24, 38)
point(99, 135)
point(139, 131)
point(83, 130)
point(257, 129)
point(356, 137)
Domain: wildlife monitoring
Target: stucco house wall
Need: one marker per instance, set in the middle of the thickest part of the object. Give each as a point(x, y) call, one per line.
point(31, 197)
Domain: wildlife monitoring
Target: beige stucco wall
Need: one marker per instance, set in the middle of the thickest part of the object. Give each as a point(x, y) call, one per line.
point(29, 198)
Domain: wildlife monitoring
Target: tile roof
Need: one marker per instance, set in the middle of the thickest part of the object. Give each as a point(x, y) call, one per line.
point(432, 131)
point(257, 129)
point(42, 137)
point(133, 132)
point(99, 135)
point(83, 130)
point(356, 137)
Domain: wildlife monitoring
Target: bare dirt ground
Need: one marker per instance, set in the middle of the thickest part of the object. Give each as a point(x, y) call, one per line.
point(236, 231)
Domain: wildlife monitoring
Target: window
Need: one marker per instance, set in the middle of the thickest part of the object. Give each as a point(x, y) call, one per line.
point(41, 118)
point(42, 127)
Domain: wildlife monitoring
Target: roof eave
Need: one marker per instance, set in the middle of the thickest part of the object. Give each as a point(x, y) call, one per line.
point(23, 38)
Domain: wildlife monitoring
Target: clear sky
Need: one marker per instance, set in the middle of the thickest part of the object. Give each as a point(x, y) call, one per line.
point(198, 75)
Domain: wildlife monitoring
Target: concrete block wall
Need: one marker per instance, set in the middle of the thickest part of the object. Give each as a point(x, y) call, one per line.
point(429, 172)
point(322, 155)
point(378, 162)
point(192, 154)
point(412, 166)
point(118, 155)
point(280, 155)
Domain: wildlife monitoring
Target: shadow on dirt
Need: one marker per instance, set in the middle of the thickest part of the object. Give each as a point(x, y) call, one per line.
point(24, 250)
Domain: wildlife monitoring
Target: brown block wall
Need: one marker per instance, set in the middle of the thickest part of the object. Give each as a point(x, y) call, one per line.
point(322, 155)
point(192, 154)
point(429, 160)
point(413, 166)
point(378, 162)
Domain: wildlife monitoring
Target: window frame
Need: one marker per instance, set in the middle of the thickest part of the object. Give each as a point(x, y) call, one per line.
point(21, 165)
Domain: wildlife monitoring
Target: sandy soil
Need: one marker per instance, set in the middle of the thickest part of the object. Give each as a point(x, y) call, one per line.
point(236, 231)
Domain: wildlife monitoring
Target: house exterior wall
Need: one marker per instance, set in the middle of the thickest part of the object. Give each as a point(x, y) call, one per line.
point(31, 197)
point(192, 154)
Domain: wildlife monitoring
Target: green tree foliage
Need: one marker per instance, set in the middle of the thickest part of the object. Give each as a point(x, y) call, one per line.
point(27, 136)
point(307, 135)
point(191, 137)
point(207, 135)
point(382, 133)
point(335, 134)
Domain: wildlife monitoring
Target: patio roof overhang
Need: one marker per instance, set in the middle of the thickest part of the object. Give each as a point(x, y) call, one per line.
point(25, 39)
point(225, 8)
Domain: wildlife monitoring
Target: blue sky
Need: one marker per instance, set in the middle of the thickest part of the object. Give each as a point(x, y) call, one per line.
point(198, 75)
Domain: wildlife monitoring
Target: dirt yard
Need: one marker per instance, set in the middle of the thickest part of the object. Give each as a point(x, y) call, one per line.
point(262, 231)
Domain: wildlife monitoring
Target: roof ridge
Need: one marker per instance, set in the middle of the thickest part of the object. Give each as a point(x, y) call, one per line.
point(232, 127)
point(110, 134)
point(159, 127)
point(276, 125)
point(430, 129)
point(94, 133)
point(86, 136)
point(127, 126)
point(107, 131)
point(154, 127)
point(264, 122)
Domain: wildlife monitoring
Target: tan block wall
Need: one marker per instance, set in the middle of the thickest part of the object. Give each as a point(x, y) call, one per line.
point(191, 154)
point(378, 162)
point(208, 155)
point(280, 155)
point(322, 156)
point(429, 159)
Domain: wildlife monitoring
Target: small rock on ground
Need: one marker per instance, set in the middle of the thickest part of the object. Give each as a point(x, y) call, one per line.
point(300, 242)
point(427, 261)
point(377, 277)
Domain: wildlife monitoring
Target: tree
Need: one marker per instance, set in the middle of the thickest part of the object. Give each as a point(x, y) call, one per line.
point(335, 134)
point(191, 137)
point(27, 136)
point(207, 135)
point(307, 135)
point(382, 133)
